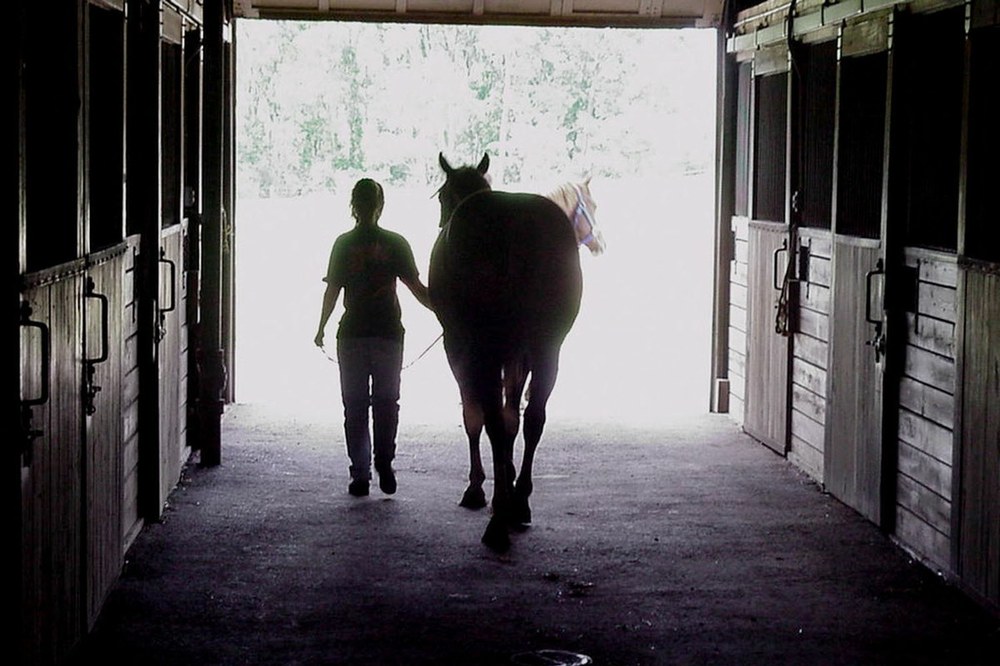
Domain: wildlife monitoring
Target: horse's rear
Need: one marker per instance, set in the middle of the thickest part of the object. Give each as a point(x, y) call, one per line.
point(506, 283)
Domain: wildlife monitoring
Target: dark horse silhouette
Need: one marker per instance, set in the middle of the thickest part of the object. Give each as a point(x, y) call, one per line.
point(506, 285)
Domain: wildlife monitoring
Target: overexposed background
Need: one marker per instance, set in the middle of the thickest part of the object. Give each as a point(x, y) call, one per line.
point(640, 350)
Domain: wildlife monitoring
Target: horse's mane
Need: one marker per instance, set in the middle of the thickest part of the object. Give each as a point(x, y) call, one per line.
point(565, 196)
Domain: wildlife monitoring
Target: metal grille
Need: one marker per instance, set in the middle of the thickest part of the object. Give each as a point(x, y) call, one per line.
point(743, 140)
point(984, 146)
point(769, 148)
point(817, 71)
point(861, 148)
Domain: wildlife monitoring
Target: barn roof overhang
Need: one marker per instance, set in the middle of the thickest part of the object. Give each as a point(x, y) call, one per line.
point(588, 13)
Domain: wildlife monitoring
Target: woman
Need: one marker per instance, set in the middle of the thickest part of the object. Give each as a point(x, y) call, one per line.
point(365, 263)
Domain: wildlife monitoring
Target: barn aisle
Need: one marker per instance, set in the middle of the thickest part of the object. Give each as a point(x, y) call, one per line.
point(678, 543)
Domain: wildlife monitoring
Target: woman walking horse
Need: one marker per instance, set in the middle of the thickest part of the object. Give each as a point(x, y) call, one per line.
point(506, 284)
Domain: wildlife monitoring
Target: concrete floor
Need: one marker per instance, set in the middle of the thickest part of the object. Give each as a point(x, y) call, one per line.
point(686, 543)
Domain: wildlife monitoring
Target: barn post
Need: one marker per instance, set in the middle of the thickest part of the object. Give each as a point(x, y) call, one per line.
point(143, 214)
point(212, 376)
point(12, 262)
point(725, 181)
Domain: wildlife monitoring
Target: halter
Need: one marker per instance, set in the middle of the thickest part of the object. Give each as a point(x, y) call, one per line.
point(582, 210)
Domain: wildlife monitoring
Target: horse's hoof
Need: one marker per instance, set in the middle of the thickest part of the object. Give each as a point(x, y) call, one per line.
point(496, 537)
point(474, 498)
point(520, 514)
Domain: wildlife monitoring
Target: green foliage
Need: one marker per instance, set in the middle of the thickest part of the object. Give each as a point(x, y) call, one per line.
point(320, 104)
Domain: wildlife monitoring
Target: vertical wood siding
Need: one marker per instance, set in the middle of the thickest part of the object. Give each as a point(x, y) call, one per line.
point(926, 411)
point(51, 486)
point(767, 352)
point(172, 351)
point(853, 452)
point(131, 522)
point(810, 348)
point(979, 545)
point(104, 438)
point(738, 320)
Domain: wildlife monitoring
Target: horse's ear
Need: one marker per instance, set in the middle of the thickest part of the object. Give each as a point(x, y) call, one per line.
point(586, 181)
point(444, 164)
point(484, 164)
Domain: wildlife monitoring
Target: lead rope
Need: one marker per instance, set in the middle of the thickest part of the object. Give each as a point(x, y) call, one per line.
point(419, 356)
point(781, 316)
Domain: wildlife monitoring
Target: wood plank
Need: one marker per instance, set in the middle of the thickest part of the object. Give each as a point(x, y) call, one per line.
point(819, 242)
point(737, 341)
point(934, 335)
point(738, 295)
point(936, 301)
point(737, 385)
point(808, 430)
point(810, 377)
point(741, 227)
point(738, 272)
point(806, 458)
point(928, 471)
point(929, 437)
point(736, 408)
point(737, 317)
point(930, 403)
point(820, 271)
point(933, 267)
point(814, 324)
point(741, 251)
point(979, 475)
point(808, 403)
point(815, 297)
point(853, 456)
point(924, 503)
point(811, 350)
point(917, 535)
point(737, 363)
point(929, 368)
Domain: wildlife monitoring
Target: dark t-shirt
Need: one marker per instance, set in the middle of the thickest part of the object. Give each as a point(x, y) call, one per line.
point(365, 263)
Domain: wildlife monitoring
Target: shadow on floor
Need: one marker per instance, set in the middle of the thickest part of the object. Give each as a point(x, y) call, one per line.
point(686, 543)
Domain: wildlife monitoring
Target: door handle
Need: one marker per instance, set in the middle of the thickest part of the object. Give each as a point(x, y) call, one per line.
point(778, 285)
point(92, 389)
point(28, 433)
point(869, 276)
point(877, 343)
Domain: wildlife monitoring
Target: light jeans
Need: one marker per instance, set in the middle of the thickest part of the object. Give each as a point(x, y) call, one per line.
point(369, 377)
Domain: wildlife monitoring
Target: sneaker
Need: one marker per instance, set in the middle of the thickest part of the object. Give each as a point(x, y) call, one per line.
point(387, 480)
point(358, 488)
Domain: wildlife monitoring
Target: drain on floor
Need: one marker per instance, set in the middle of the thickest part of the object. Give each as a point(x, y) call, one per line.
point(551, 658)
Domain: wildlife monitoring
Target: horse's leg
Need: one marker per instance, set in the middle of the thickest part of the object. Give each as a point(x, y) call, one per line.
point(543, 380)
point(489, 392)
point(515, 376)
point(472, 417)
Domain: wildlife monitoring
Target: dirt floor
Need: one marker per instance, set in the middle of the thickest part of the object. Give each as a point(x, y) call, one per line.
point(686, 543)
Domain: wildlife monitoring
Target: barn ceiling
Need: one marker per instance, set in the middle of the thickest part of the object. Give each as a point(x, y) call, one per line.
point(623, 13)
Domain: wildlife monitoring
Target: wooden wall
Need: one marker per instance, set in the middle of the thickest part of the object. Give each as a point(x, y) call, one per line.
point(738, 319)
point(979, 512)
point(810, 348)
point(103, 448)
point(927, 410)
point(131, 520)
point(172, 352)
point(766, 405)
point(51, 484)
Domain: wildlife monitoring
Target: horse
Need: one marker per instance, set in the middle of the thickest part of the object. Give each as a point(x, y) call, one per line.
point(506, 285)
point(579, 206)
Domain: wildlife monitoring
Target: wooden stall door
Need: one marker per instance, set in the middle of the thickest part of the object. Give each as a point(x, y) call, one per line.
point(52, 538)
point(979, 514)
point(172, 358)
point(766, 407)
point(853, 452)
point(102, 368)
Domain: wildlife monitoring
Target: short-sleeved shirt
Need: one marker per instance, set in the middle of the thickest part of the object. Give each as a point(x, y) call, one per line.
point(365, 263)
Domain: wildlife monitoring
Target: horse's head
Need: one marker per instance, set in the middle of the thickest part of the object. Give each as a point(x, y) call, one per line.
point(577, 202)
point(460, 183)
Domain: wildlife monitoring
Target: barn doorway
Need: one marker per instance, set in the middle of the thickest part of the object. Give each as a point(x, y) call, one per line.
point(320, 104)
